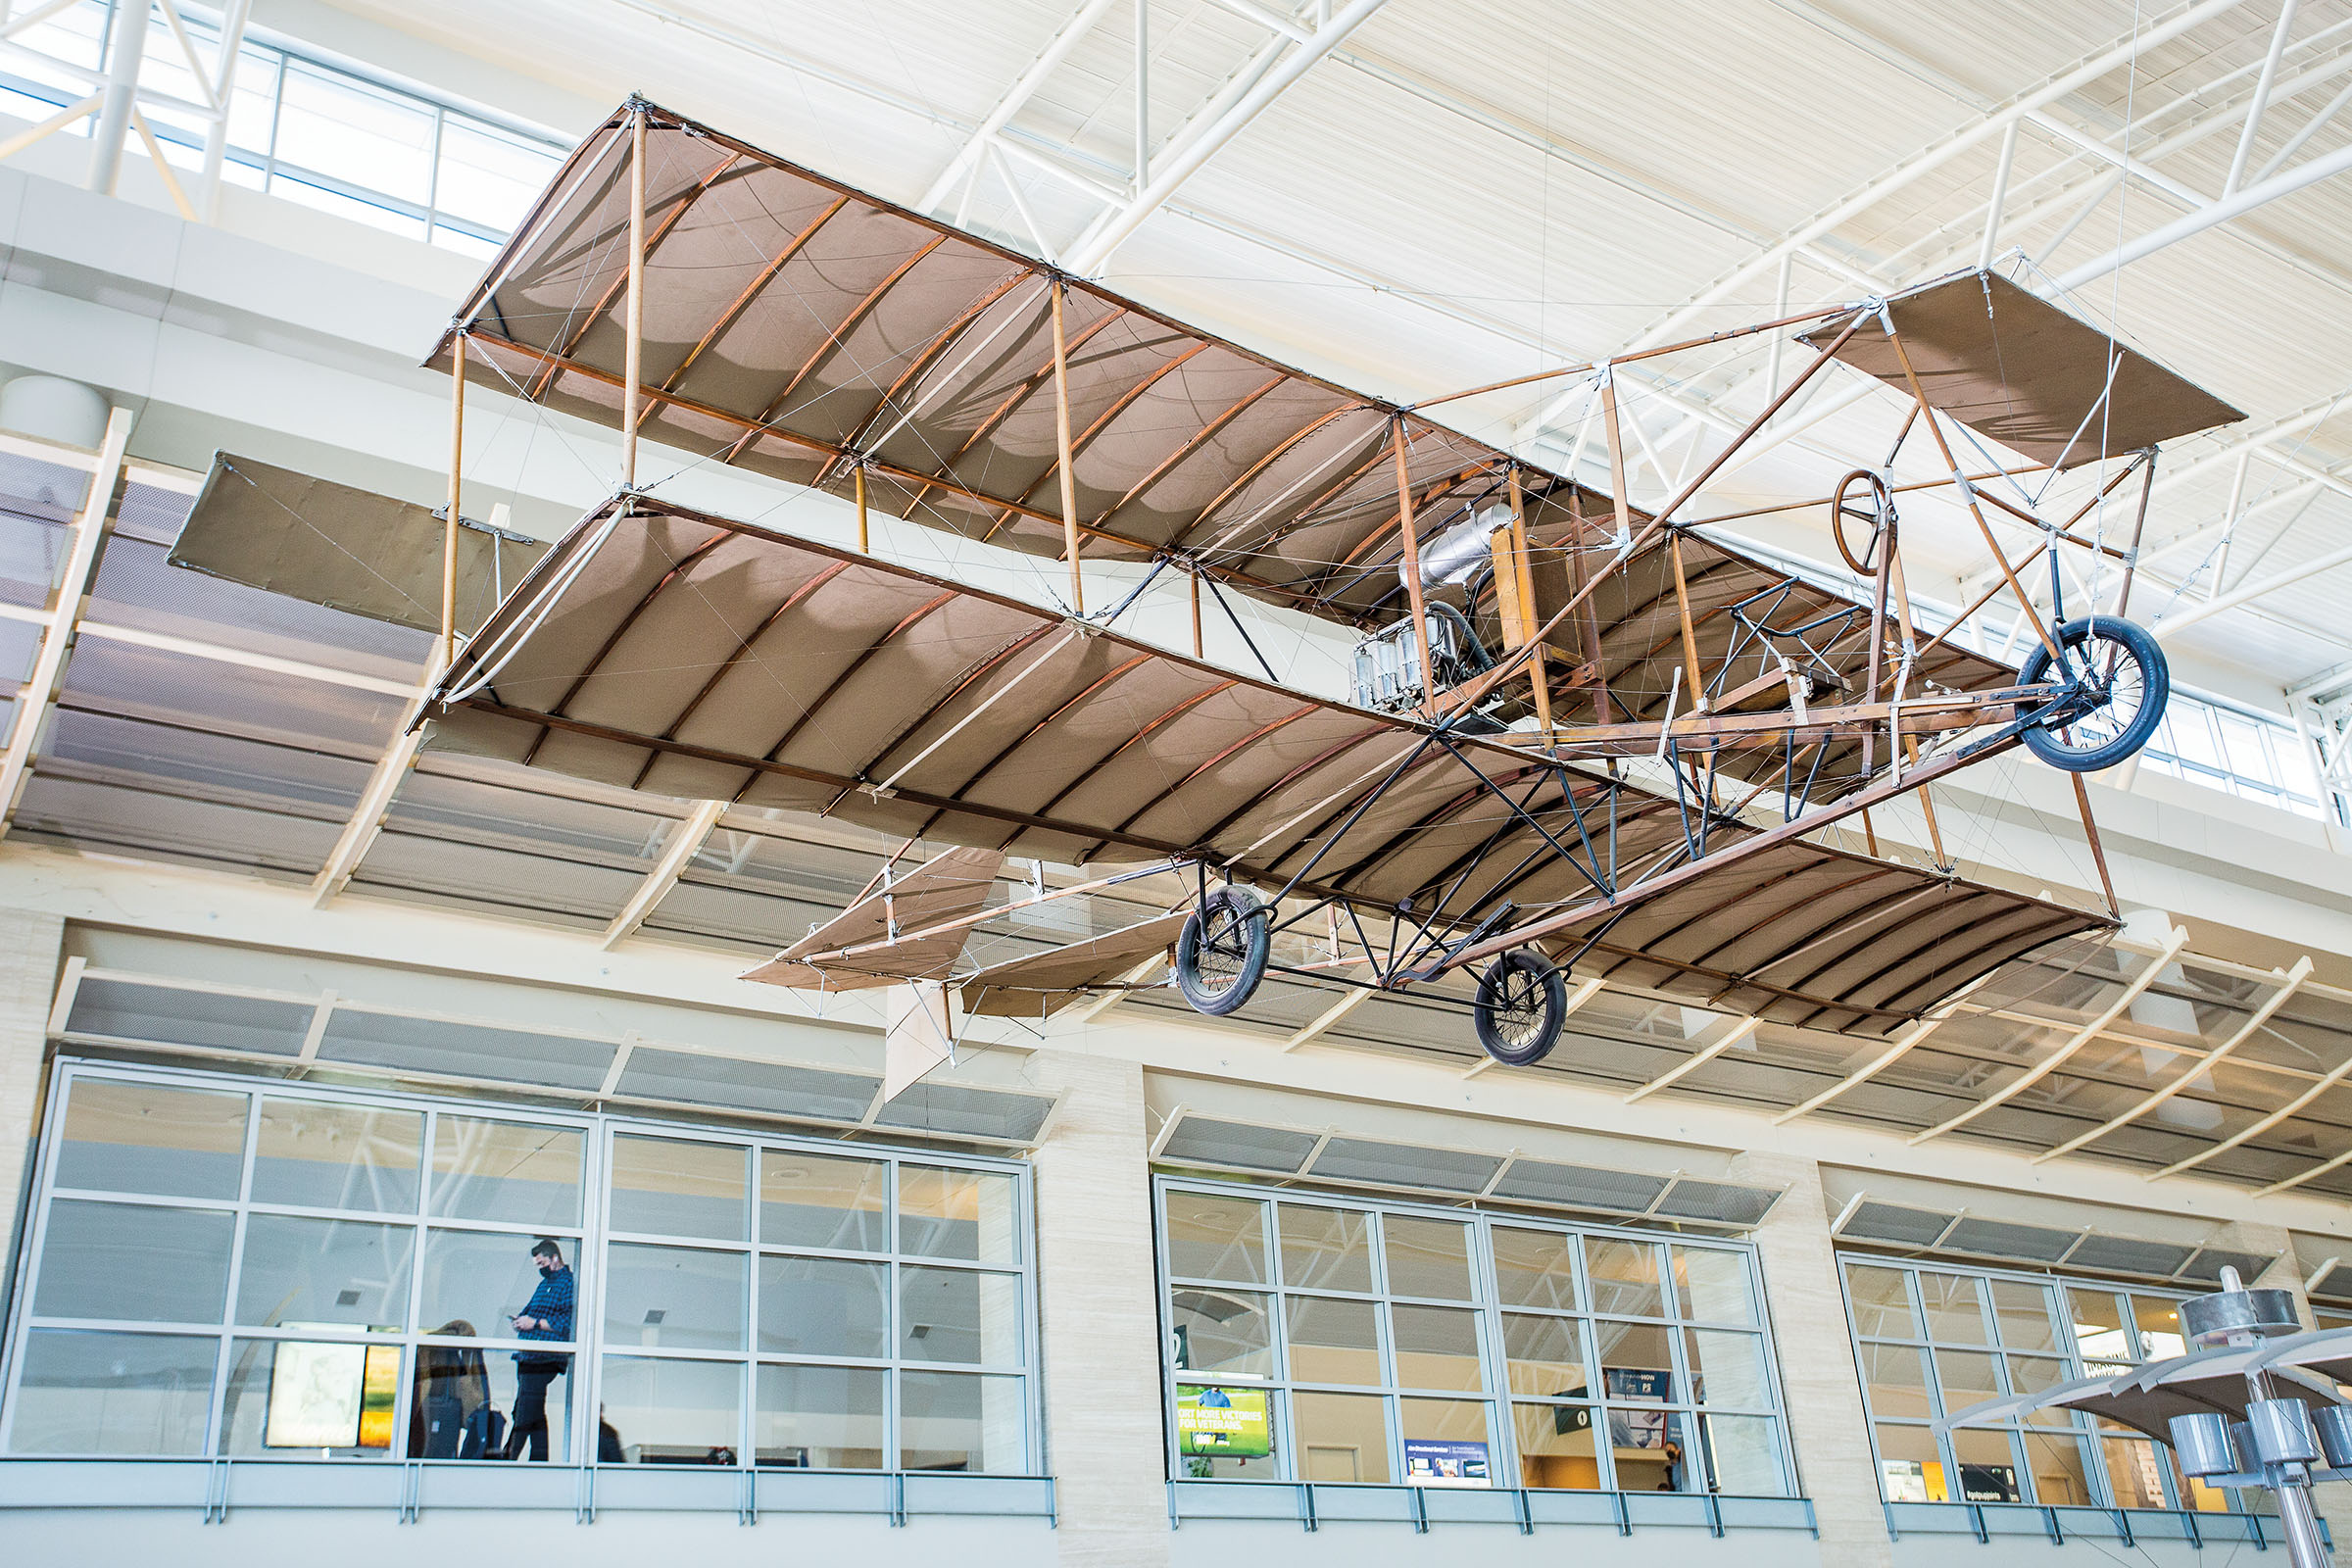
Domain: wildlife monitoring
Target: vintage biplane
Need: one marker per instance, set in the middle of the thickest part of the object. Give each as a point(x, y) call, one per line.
point(1584, 737)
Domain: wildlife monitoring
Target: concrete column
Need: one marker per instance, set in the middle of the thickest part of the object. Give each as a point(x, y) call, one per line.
point(30, 949)
point(1816, 1349)
point(1095, 1279)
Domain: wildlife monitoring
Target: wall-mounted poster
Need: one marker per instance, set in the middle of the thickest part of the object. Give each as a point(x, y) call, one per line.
point(1429, 1463)
point(325, 1395)
point(1230, 1422)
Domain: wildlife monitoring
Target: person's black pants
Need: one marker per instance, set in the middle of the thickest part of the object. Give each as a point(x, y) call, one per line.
point(531, 1379)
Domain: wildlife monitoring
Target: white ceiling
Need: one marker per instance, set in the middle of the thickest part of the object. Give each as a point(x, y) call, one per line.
point(1463, 192)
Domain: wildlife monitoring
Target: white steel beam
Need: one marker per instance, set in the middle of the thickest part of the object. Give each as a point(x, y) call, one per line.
point(1911, 1038)
point(1330, 1015)
point(2236, 205)
point(686, 841)
point(1697, 1060)
point(1181, 164)
point(91, 528)
point(2262, 98)
point(1023, 88)
point(2247, 593)
point(367, 817)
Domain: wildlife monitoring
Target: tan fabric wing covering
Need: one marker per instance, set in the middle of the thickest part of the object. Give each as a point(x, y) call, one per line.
point(691, 656)
point(348, 549)
point(946, 887)
point(1043, 983)
point(2018, 370)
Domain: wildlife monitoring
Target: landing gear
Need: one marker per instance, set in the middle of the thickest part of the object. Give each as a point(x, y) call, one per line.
point(2118, 683)
point(1521, 1009)
point(1221, 952)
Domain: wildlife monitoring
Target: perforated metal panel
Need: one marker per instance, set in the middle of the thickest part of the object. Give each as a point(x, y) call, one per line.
point(1890, 1222)
point(463, 1050)
point(1448, 1170)
point(123, 1010)
point(2001, 1239)
point(786, 1090)
point(1580, 1187)
point(2209, 1263)
point(952, 1111)
point(2124, 1255)
point(1720, 1202)
point(1199, 1141)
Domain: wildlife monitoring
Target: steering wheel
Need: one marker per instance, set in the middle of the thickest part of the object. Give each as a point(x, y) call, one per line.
point(1876, 506)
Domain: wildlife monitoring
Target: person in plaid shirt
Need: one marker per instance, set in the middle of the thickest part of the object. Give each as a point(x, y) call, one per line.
point(547, 1316)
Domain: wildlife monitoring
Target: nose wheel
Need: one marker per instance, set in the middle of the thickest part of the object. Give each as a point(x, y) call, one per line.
point(2117, 681)
point(1521, 1009)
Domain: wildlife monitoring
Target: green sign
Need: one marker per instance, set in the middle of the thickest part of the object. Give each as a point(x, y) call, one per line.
point(1231, 1422)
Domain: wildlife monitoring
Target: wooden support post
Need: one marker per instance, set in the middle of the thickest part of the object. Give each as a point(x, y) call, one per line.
point(449, 529)
point(1588, 624)
point(1196, 576)
point(1524, 593)
point(2140, 523)
point(1609, 424)
point(2098, 852)
point(864, 540)
point(1682, 608)
point(1061, 447)
point(632, 374)
point(1412, 563)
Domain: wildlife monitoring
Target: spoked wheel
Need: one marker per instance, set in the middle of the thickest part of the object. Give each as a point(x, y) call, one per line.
point(2121, 682)
point(1862, 497)
point(1221, 952)
point(1521, 1009)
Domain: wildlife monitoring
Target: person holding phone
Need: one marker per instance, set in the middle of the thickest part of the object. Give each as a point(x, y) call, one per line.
point(546, 1315)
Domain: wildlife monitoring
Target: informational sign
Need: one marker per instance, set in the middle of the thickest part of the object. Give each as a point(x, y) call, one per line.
point(1989, 1482)
point(1906, 1480)
point(327, 1395)
point(1227, 1422)
point(1429, 1463)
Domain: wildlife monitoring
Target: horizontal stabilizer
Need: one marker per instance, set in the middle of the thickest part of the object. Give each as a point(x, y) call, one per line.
point(1043, 983)
point(855, 949)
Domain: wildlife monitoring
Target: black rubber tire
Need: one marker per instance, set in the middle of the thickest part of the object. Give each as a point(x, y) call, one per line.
point(1521, 1009)
point(1234, 948)
point(2120, 651)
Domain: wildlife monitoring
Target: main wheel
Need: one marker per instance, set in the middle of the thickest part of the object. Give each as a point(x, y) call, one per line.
point(1221, 952)
point(2125, 682)
point(1521, 1009)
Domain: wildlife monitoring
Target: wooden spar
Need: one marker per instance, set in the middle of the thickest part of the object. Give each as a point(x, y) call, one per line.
point(2098, 852)
point(1061, 447)
point(2140, 523)
point(1196, 577)
point(1588, 623)
point(1682, 610)
point(1821, 315)
point(864, 547)
point(1968, 491)
point(1412, 562)
point(449, 529)
point(1524, 593)
point(632, 374)
point(1893, 489)
point(1616, 436)
point(2034, 553)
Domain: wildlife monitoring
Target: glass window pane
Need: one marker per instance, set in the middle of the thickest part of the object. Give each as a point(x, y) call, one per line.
point(1988, 1466)
point(476, 1281)
point(1534, 1268)
point(1967, 1377)
point(1898, 1380)
point(962, 1421)
point(820, 1417)
point(333, 125)
point(2135, 1473)
point(324, 1398)
point(138, 1138)
point(515, 1172)
point(1911, 1466)
point(2159, 1322)
point(661, 1411)
point(670, 1187)
point(2061, 1472)
point(1324, 1248)
point(301, 1271)
point(1437, 1348)
point(959, 1315)
point(450, 1402)
point(1427, 1256)
point(2099, 1332)
point(1652, 1451)
point(1546, 1356)
point(1637, 1362)
point(969, 1214)
point(813, 1201)
point(1882, 1300)
point(1225, 1432)
point(1727, 1368)
point(329, 1155)
point(1744, 1454)
point(1446, 1442)
point(824, 1307)
point(1556, 1448)
point(1334, 1342)
point(2022, 1313)
point(1224, 1333)
point(2030, 1374)
point(682, 1298)
point(182, 1273)
point(1624, 1277)
point(1954, 1305)
point(1217, 1237)
point(488, 175)
point(84, 1393)
point(1342, 1437)
point(1710, 1284)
